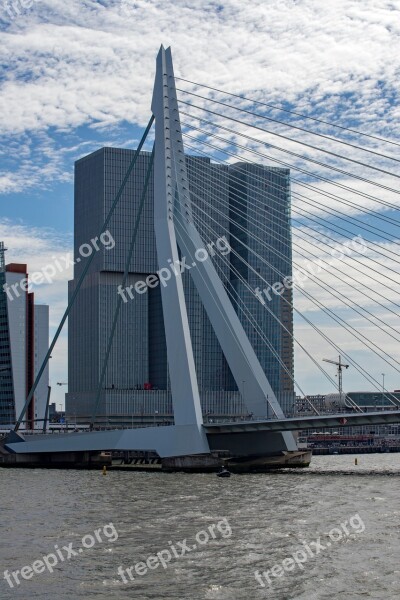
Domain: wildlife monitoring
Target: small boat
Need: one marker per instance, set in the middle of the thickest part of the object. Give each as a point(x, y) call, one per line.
point(224, 472)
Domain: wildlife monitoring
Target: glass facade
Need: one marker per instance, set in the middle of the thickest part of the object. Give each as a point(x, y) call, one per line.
point(260, 204)
point(137, 380)
point(373, 400)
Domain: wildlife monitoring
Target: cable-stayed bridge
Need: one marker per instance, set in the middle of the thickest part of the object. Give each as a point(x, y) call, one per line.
point(341, 186)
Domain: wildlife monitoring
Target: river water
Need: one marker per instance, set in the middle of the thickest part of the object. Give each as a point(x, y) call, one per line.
point(328, 532)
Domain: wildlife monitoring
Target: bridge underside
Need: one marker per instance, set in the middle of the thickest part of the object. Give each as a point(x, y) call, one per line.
point(178, 448)
point(244, 446)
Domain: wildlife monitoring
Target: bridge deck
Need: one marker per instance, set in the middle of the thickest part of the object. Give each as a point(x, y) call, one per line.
point(181, 440)
point(298, 423)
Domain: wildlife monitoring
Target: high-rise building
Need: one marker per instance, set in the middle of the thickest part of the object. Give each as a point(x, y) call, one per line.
point(41, 347)
point(136, 385)
point(24, 341)
point(262, 244)
point(7, 397)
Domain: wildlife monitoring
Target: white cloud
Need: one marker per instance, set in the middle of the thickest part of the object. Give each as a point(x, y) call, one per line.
point(83, 61)
point(90, 63)
point(86, 63)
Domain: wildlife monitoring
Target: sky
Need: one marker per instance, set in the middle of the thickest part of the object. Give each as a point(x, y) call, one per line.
point(77, 76)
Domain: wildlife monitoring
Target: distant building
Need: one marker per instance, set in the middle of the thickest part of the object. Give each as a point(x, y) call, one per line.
point(137, 387)
point(346, 403)
point(304, 405)
point(373, 400)
point(24, 342)
point(334, 402)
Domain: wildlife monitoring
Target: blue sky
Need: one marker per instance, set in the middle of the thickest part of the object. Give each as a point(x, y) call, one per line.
point(76, 76)
point(39, 195)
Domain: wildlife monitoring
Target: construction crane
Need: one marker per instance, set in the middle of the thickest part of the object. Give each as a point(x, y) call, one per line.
point(340, 366)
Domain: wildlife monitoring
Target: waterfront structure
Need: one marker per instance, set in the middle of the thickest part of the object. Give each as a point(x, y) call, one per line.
point(24, 339)
point(137, 383)
point(189, 444)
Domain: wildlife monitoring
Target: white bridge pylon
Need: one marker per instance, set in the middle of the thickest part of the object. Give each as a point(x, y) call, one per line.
point(172, 206)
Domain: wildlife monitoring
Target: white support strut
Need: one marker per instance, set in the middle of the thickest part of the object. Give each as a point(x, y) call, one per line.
point(173, 206)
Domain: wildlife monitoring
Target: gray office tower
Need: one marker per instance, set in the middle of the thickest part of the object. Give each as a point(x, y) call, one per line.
point(250, 205)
